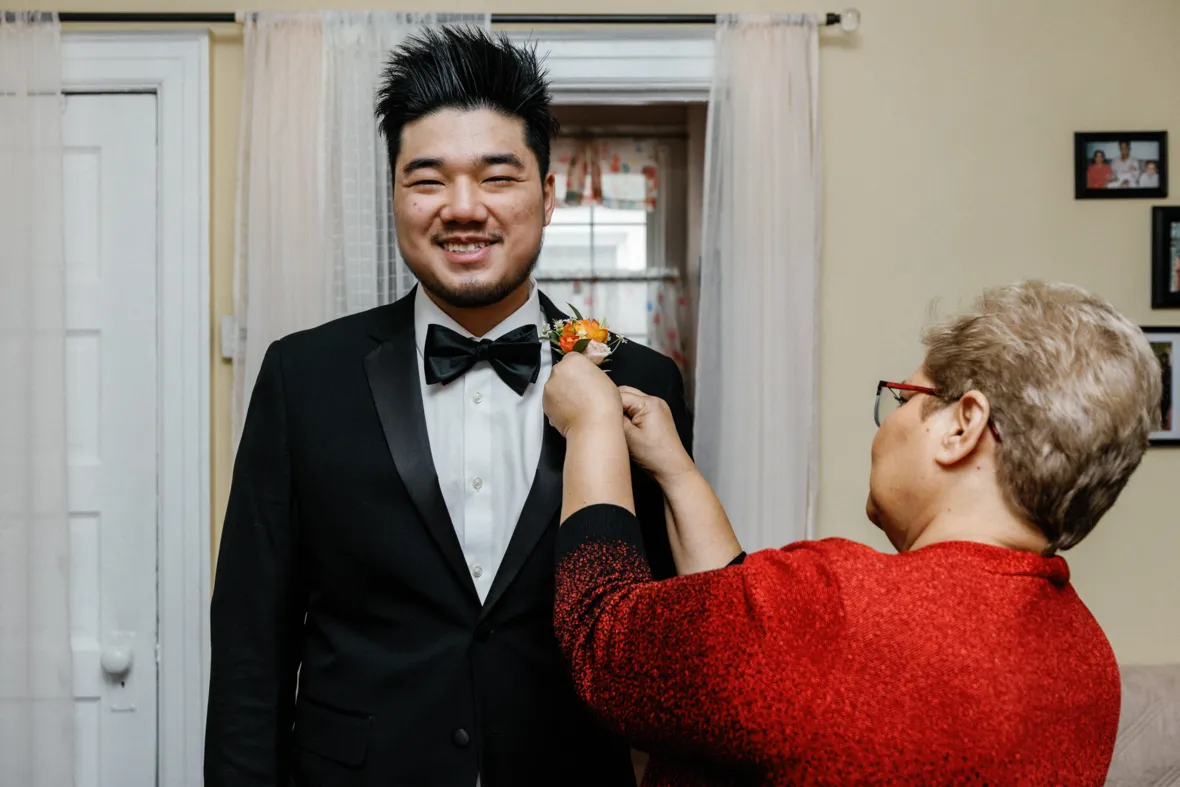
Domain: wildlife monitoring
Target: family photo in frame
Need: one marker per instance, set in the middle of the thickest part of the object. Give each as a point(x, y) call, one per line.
point(1120, 164)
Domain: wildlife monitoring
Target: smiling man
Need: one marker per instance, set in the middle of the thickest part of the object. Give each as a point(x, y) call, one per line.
point(383, 608)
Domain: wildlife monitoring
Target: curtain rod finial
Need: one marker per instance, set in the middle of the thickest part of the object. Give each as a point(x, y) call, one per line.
point(850, 19)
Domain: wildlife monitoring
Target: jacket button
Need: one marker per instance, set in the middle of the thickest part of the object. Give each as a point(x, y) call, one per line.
point(461, 738)
point(482, 632)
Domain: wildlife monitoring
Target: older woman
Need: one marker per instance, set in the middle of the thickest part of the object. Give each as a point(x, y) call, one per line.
point(966, 658)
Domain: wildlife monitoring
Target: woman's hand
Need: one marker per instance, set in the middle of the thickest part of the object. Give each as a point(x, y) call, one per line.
point(583, 405)
point(651, 434)
point(580, 393)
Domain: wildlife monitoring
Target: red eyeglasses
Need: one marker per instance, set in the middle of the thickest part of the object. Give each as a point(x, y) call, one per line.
point(883, 406)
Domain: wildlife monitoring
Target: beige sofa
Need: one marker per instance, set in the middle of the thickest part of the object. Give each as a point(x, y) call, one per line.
point(1147, 752)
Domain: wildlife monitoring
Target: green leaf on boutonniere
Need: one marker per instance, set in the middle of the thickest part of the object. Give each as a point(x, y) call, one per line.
point(574, 309)
point(581, 345)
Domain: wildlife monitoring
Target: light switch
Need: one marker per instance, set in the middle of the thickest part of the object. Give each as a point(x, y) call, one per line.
point(228, 336)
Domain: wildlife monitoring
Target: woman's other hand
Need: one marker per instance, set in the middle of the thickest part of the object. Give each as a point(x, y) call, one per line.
point(578, 393)
point(651, 434)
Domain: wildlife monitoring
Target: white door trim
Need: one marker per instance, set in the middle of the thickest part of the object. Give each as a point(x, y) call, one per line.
point(174, 66)
point(629, 66)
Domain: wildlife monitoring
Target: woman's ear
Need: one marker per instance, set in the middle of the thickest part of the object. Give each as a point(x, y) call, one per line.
point(965, 422)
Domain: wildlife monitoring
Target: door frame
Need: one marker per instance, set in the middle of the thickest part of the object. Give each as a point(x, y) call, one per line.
point(175, 67)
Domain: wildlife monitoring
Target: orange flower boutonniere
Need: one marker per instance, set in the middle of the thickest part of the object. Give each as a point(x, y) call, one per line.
point(581, 335)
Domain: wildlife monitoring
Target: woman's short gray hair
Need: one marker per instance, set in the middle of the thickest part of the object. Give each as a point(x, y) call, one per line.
point(1074, 389)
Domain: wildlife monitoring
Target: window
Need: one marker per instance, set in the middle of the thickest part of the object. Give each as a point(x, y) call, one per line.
point(610, 256)
point(593, 239)
point(597, 259)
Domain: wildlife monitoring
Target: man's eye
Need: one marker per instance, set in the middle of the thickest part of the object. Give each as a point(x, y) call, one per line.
point(426, 183)
point(499, 179)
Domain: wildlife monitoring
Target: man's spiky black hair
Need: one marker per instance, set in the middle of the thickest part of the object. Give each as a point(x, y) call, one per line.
point(465, 67)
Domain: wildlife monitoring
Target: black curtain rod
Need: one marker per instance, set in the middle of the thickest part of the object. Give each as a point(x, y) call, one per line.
point(622, 19)
point(497, 19)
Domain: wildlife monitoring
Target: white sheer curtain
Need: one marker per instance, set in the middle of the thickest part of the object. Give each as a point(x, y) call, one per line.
point(280, 283)
point(36, 665)
point(315, 231)
point(757, 429)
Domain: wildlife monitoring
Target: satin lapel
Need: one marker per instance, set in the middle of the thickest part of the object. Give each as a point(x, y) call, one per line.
point(393, 373)
point(551, 313)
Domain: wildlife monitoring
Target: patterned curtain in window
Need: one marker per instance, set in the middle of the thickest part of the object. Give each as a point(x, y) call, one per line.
point(613, 173)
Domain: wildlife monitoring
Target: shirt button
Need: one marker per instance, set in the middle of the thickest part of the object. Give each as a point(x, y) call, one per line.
point(477, 571)
point(477, 398)
point(477, 483)
point(461, 738)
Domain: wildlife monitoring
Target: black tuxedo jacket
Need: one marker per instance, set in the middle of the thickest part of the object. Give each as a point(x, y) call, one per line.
point(349, 645)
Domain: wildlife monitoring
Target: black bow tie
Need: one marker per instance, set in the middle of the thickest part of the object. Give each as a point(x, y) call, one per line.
point(516, 356)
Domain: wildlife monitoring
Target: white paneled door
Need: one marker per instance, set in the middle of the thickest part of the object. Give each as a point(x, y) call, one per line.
point(112, 422)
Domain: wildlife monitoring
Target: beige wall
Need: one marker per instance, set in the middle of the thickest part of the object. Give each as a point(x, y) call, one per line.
point(948, 148)
point(947, 144)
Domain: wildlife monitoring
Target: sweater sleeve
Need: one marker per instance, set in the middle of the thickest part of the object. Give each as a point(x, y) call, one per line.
point(689, 664)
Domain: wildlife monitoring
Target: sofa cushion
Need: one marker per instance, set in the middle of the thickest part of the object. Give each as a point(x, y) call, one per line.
point(1147, 750)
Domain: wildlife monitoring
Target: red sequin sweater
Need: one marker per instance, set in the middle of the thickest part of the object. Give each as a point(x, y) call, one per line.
point(829, 663)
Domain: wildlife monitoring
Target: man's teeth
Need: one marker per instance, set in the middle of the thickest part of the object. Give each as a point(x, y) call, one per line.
point(463, 247)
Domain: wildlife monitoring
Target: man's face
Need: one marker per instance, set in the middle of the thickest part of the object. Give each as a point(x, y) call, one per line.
point(469, 205)
point(1124, 149)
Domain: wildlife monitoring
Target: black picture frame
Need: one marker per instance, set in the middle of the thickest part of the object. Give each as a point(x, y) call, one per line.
point(1165, 257)
point(1166, 343)
point(1152, 146)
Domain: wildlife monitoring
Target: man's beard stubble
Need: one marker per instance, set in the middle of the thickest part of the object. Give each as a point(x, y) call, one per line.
point(473, 295)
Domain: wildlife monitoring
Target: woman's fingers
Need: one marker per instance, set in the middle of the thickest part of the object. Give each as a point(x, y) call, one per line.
point(633, 400)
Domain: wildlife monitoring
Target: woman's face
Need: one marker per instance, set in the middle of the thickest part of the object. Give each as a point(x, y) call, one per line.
point(902, 481)
point(1100, 157)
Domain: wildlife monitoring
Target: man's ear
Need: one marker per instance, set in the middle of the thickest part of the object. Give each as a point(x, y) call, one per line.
point(549, 196)
point(964, 423)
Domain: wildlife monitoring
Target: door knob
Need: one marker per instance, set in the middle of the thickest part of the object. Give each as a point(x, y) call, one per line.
point(116, 660)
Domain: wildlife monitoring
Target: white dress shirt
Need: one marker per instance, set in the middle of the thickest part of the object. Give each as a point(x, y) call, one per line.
point(485, 440)
point(1126, 172)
